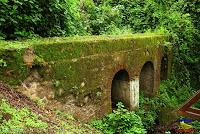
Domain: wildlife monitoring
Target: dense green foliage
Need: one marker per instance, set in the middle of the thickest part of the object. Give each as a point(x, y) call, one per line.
point(161, 109)
point(24, 121)
point(22, 18)
point(178, 18)
point(120, 121)
point(19, 120)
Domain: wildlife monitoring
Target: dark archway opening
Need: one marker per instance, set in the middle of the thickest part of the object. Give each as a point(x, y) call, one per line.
point(164, 68)
point(147, 79)
point(120, 90)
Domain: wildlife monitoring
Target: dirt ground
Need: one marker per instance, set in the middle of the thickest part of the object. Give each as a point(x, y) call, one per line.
point(46, 112)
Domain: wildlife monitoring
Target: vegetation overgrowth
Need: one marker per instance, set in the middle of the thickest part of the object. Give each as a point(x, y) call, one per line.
point(120, 121)
point(23, 120)
point(21, 19)
point(19, 120)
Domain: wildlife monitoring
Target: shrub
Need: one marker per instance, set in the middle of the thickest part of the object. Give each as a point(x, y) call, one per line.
point(120, 121)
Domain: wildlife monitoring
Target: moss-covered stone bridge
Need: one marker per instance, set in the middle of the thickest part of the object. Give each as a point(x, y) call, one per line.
point(103, 69)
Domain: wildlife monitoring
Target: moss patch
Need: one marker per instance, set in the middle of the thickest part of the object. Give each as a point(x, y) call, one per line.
point(77, 65)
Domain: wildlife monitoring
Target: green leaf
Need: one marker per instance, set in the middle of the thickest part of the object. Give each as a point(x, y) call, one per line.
point(4, 1)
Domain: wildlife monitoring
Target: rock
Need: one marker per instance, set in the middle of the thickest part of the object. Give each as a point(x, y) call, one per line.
point(82, 84)
point(86, 100)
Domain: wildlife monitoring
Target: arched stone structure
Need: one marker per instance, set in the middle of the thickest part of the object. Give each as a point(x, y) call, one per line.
point(90, 68)
point(125, 90)
point(147, 78)
point(164, 68)
point(120, 90)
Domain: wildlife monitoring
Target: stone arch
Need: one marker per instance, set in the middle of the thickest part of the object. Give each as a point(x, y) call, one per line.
point(164, 68)
point(146, 82)
point(120, 89)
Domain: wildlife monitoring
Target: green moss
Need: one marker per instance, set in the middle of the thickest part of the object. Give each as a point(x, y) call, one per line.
point(38, 61)
point(76, 60)
point(16, 70)
point(52, 49)
point(61, 40)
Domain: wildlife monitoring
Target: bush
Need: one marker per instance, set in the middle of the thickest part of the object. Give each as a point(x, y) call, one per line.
point(23, 18)
point(161, 109)
point(120, 121)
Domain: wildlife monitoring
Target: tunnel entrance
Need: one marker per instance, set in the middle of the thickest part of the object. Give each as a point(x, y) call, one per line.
point(146, 83)
point(164, 68)
point(120, 90)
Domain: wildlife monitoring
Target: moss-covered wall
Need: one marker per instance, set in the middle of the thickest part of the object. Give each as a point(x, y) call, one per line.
point(83, 65)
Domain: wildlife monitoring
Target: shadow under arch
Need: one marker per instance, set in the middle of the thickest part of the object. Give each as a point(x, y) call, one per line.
point(164, 68)
point(146, 82)
point(120, 89)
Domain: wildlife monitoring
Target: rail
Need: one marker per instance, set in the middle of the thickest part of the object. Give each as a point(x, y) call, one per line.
point(187, 109)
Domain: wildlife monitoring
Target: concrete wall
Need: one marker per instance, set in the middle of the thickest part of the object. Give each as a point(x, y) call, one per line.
point(86, 66)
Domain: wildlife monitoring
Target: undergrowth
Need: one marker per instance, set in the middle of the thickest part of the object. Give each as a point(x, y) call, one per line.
point(120, 121)
point(22, 121)
point(152, 112)
point(19, 120)
point(161, 109)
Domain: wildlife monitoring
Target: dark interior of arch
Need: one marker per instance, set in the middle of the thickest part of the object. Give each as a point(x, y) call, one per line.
point(120, 89)
point(147, 79)
point(164, 68)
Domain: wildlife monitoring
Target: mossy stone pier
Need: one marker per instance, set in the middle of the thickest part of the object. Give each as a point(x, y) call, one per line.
point(104, 69)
